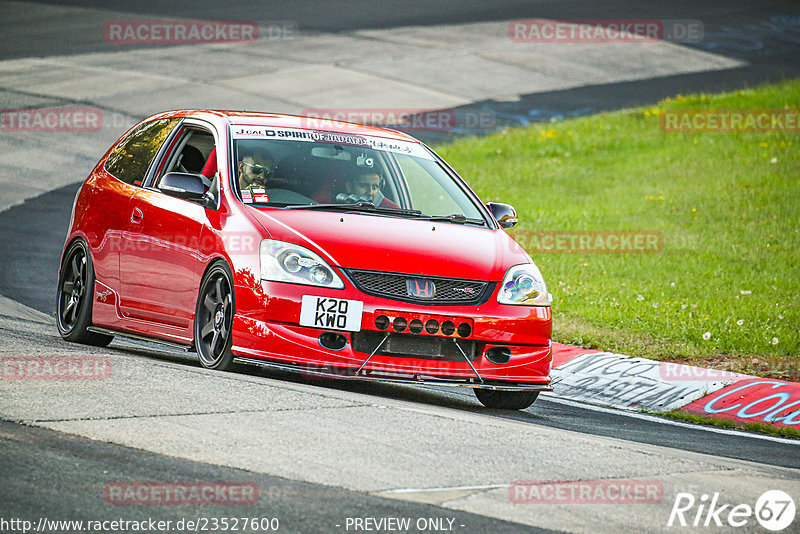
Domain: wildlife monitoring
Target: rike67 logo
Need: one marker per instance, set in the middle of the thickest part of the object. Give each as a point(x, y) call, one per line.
point(774, 510)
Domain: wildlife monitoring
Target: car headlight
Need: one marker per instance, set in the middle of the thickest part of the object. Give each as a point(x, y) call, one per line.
point(523, 285)
point(287, 262)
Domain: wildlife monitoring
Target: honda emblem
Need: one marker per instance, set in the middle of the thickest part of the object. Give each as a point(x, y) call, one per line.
point(421, 289)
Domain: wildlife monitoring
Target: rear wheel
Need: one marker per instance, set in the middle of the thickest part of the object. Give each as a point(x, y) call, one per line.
point(506, 400)
point(75, 296)
point(213, 318)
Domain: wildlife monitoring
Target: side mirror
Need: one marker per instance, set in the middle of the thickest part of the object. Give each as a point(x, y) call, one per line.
point(505, 214)
point(184, 185)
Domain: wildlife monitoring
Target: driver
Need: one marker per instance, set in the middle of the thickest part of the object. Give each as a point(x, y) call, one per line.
point(255, 167)
point(367, 184)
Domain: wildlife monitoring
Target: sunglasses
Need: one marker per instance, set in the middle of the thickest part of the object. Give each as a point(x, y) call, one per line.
point(258, 169)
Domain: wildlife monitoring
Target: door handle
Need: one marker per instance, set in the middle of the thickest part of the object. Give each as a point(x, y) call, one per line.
point(137, 216)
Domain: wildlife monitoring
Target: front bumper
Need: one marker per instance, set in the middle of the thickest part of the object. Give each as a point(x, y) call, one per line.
point(266, 331)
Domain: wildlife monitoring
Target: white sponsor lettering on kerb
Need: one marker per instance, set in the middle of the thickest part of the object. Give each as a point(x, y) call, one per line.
point(770, 414)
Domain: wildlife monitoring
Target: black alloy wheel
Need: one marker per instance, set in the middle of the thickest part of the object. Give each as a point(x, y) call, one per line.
point(214, 317)
point(75, 296)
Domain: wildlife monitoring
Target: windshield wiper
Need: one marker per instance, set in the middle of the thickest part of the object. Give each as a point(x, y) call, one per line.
point(357, 206)
point(457, 218)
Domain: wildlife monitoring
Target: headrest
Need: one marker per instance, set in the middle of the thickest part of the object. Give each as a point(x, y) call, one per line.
point(210, 168)
point(192, 159)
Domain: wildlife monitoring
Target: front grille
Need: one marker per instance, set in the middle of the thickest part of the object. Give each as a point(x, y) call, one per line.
point(411, 346)
point(448, 290)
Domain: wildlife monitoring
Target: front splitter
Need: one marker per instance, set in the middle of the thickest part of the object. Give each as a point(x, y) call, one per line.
point(389, 377)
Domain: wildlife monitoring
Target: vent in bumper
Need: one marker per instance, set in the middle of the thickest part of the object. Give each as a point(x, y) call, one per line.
point(411, 346)
point(448, 290)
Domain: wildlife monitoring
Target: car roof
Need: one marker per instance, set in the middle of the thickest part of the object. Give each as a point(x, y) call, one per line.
point(278, 120)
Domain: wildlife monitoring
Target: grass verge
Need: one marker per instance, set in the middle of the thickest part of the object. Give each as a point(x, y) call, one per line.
point(722, 290)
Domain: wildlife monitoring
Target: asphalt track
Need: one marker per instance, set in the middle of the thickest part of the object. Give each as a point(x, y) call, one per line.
point(348, 15)
point(47, 473)
point(51, 211)
point(63, 474)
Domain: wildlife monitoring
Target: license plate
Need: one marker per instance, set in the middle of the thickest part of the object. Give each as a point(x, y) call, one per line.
point(330, 313)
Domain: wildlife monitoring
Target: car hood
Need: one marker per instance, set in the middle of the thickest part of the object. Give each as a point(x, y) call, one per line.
point(393, 244)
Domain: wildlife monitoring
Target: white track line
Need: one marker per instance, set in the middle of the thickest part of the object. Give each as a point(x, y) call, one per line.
point(665, 421)
point(453, 488)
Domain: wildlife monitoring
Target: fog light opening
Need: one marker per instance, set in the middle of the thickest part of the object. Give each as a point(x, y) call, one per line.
point(432, 326)
point(464, 330)
point(448, 328)
point(333, 340)
point(415, 326)
point(499, 355)
point(399, 324)
point(381, 322)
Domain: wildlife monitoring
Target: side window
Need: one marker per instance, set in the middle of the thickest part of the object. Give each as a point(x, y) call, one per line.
point(132, 157)
point(190, 153)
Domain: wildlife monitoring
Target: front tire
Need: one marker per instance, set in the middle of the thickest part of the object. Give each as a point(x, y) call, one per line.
point(506, 400)
point(213, 318)
point(75, 297)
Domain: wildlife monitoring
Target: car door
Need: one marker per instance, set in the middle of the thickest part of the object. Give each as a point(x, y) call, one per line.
point(123, 174)
point(161, 266)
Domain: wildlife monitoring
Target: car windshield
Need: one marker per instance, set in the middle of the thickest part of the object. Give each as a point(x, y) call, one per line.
point(316, 170)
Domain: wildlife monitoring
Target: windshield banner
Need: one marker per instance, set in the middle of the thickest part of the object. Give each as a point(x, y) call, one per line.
point(336, 138)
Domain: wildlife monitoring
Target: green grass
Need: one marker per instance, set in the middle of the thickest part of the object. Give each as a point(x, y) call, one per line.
point(727, 204)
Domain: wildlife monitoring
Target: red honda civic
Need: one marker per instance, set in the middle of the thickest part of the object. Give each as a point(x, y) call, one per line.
point(324, 247)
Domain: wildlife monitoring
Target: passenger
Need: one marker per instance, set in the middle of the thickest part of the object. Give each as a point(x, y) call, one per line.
point(367, 185)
